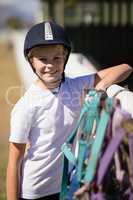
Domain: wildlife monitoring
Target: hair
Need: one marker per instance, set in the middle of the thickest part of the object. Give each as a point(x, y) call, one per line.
point(31, 54)
point(31, 51)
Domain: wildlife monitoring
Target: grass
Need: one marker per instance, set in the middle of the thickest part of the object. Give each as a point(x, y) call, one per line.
point(8, 79)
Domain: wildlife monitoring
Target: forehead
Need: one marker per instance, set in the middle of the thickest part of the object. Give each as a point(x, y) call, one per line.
point(47, 49)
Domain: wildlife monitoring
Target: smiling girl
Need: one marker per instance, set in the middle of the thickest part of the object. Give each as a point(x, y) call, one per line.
point(47, 113)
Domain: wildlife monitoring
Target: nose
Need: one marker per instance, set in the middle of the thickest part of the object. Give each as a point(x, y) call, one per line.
point(49, 67)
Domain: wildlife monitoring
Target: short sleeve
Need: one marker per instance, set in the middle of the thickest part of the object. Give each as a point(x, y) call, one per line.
point(86, 82)
point(20, 123)
point(83, 82)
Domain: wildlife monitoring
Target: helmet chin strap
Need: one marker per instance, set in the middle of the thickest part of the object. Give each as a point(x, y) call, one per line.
point(28, 59)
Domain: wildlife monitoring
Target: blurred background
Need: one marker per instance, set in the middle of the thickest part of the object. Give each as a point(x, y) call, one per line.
point(101, 32)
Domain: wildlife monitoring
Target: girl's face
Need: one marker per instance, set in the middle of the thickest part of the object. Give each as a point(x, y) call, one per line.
point(48, 63)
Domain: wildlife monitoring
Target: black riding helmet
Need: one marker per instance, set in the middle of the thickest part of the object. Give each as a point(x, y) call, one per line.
point(46, 33)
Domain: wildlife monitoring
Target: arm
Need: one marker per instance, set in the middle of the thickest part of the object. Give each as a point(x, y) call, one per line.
point(112, 75)
point(16, 153)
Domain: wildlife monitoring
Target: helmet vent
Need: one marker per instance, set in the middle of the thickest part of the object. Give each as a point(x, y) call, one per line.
point(48, 31)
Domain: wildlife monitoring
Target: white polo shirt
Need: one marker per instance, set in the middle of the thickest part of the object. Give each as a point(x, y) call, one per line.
point(44, 120)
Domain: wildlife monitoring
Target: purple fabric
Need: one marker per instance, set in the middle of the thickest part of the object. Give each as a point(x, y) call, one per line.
point(131, 196)
point(130, 141)
point(129, 193)
point(98, 196)
point(118, 133)
point(108, 154)
point(118, 117)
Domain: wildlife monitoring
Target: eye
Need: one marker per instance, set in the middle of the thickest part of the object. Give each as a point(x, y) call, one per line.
point(43, 59)
point(57, 58)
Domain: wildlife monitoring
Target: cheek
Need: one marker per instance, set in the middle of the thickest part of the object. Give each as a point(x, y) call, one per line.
point(62, 65)
point(37, 65)
point(61, 68)
point(59, 65)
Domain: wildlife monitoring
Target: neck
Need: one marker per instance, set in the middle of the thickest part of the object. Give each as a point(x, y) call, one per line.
point(49, 86)
point(45, 87)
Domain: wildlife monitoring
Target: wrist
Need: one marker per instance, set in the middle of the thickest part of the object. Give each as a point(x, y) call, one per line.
point(101, 86)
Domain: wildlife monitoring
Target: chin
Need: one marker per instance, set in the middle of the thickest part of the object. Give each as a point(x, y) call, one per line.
point(48, 80)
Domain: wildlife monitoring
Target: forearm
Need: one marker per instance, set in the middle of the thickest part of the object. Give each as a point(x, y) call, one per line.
point(12, 182)
point(113, 75)
point(16, 153)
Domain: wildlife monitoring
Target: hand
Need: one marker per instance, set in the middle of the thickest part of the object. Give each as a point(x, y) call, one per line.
point(82, 193)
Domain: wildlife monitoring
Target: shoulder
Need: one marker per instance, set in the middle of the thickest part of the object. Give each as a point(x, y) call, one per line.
point(21, 111)
point(21, 104)
point(24, 104)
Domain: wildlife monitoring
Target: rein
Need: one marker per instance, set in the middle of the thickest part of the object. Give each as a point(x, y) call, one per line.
point(101, 129)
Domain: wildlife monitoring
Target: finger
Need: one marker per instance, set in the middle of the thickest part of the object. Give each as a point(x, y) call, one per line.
point(84, 196)
point(82, 190)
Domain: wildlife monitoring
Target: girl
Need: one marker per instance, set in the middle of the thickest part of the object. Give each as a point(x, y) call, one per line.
point(46, 114)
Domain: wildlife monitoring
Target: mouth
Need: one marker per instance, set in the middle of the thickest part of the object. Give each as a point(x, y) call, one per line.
point(52, 75)
point(49, 71)
point(53, 72)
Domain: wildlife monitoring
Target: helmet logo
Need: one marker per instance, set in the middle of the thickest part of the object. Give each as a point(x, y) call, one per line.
point(48, 31)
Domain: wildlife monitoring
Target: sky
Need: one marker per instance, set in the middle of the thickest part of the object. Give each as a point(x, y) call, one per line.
point(25, 9)
point(25, 4)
